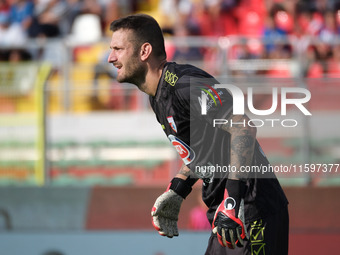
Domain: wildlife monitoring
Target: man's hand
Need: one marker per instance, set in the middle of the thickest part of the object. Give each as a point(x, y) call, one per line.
point(229, 223)
point(166, 208)
point(165, 213)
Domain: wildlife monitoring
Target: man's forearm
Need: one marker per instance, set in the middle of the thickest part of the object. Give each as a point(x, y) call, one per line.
point(186, 174)
point(242, 144)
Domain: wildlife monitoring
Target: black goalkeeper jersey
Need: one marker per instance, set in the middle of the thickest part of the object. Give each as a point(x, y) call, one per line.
point(178, 108)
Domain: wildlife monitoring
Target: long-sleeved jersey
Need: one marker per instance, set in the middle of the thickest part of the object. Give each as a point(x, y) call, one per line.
point(187, 107)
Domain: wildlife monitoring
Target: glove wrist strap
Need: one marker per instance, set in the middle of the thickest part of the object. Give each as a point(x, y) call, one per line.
point(235, 189)
point(180, 187)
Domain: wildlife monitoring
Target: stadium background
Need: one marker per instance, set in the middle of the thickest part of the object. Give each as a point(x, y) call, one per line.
point(82, 158)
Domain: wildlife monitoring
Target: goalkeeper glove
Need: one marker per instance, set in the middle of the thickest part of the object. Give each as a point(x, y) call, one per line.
point(167, 206)
point(229, 223)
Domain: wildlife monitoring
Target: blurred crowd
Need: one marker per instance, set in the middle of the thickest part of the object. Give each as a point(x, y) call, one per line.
point(271, 18)
point(21, 19)
point(265, 19)
point(267, 29)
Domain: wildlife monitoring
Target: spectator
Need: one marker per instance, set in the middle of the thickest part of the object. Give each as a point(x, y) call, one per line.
point(4, 20)
point(337, 19)
point(284, 21)
point(14, 28)
point(107, 10)
point(250, 16)
point(272, 33)
point(4, 10)
point(324, 52)
point(21, 12)
point(313, 68)
point(111, 10)
point(11, 34)
point(310, 22)
point(74, 8)
point(334, 63)
point(324, 61)
point(19, 55)
point(186, 53)
point(173, 12)
point(322, 5)
point(329, 30)
point(48, 15)
point(217, 19)
point(91, 6)
point(280, 69)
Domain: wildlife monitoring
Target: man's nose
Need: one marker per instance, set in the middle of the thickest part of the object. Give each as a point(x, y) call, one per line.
point(112, 57)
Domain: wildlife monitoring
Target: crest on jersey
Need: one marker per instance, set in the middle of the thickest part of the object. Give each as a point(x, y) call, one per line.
point(170, 78)
point(172, 123)
point(184, 151)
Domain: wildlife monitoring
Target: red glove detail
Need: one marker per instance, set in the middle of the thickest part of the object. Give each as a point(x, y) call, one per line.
point(228, 221)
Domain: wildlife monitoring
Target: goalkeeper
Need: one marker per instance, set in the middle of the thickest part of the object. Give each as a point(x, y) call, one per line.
point(248, 213)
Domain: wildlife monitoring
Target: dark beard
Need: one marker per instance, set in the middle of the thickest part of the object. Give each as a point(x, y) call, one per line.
point(138, 77)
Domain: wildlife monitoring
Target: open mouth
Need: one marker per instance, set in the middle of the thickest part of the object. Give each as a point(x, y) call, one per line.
point(118, 66)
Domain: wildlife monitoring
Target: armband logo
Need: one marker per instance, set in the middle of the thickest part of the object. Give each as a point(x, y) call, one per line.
point(172, 123)
point(184, 151)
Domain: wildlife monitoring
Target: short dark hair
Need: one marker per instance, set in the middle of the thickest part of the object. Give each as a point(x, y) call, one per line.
point(145, 29)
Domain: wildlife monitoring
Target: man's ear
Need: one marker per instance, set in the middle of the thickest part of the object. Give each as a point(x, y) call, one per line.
point(145, 51)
